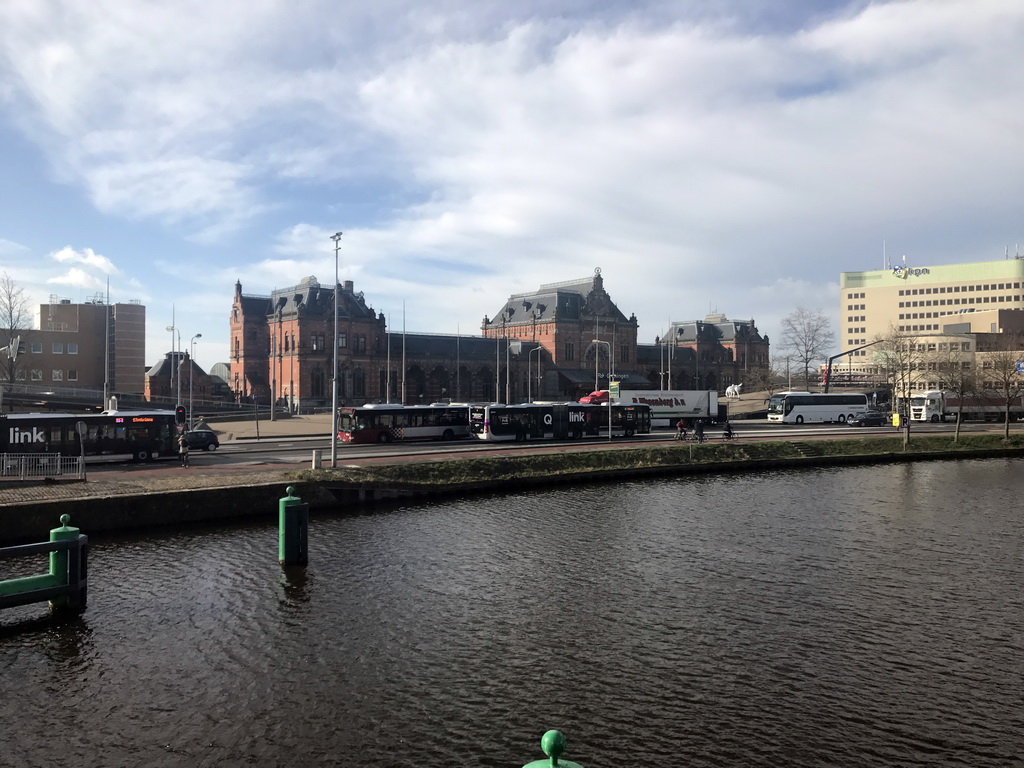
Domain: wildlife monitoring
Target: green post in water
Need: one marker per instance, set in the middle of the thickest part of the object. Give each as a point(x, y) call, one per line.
point(292, 530)
point(59, 560)
point(553, 744)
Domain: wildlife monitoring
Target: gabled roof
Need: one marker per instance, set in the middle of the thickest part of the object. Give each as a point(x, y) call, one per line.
point(715, 327)
point(170, 361)
point(309, 297)
point(569, 300)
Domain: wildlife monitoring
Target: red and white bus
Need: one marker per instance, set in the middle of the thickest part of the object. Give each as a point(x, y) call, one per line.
point(388, 423)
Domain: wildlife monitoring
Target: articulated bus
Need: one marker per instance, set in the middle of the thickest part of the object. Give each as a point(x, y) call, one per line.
point(386, 423)
point(107, 436)
point(800, 407)
point(558, 421)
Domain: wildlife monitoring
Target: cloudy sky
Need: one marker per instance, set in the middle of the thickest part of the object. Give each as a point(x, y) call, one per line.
point(730, 156)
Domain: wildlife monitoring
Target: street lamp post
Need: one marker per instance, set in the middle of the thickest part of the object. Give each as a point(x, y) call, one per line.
point(336, 237)
point(191, 374)
point(596, 358)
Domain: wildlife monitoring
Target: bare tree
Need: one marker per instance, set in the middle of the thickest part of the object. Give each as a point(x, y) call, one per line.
point(901, 357)
point(768, 378)
point(14, 318)
point(808, 337)
point(956, 375)
point(1002, 372)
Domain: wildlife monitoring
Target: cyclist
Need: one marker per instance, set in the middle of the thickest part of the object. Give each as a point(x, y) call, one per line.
point(727, 433)
point(698, 431)
point(681, 429)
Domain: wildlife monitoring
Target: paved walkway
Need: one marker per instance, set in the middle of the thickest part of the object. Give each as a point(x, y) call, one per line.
point(163, 476)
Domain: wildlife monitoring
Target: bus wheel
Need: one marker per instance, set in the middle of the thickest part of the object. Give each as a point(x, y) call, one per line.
point(142, 455)
point(842, 419)
point(575, 434)
point(849, 417)
point(384, 437)
point(447, 435)
point(799, 419)
point(629, 433)
point(935, 418)
point(520, 437)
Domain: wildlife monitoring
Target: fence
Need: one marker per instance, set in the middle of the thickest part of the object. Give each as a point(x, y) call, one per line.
point(25, 466)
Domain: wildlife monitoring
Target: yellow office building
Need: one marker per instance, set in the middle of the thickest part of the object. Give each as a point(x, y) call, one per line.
point(926, 300)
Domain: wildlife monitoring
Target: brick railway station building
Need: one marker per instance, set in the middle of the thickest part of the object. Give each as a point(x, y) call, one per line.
point(556, 343)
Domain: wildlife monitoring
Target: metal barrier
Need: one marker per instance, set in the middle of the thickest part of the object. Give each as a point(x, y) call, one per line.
point(65, 586)
point(25, 466)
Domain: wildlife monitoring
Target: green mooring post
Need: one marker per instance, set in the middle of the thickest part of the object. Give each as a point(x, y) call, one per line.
point(553, 744)
point(293, 528)
point(59, 567)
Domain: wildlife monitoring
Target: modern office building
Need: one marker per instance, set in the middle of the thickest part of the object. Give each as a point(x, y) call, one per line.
point(83, 346)
point(923, 300)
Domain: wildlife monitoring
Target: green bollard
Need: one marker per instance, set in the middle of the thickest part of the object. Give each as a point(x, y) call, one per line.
point(292, 530)
point(59, 560)
point(553, 744)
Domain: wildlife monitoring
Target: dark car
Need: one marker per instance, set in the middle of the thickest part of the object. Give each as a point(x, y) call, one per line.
point(202, 439)
point(869, 419)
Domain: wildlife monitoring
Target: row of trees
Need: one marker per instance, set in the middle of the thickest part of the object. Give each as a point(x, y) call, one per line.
point(991, 370)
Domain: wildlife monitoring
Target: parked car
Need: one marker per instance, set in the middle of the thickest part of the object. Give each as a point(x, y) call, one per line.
point(869, 419)
point(202, 439)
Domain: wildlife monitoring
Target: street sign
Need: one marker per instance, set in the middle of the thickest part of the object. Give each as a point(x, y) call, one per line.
point(1020, 366)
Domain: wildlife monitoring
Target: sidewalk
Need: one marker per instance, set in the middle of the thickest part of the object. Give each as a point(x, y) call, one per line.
point(281, 427)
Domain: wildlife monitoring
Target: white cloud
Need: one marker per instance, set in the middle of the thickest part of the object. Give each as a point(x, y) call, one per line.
point(78, 278)
point(88, 257)
point(470, 151)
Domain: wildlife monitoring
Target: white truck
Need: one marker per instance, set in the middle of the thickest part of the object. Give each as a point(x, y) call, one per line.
point(936, 405)
point(667, 406)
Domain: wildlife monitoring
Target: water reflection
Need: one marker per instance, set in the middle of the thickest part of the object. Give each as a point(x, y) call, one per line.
point(850, 617)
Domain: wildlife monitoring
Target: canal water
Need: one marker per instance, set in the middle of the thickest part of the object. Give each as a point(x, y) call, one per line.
point(854, 617)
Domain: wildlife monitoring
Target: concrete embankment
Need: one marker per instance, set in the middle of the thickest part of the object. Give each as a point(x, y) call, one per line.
point(156, 498)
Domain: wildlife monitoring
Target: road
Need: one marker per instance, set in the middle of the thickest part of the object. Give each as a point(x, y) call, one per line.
point(298, 451)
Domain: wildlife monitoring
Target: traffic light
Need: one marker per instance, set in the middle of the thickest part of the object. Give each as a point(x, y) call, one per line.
point(179, 414)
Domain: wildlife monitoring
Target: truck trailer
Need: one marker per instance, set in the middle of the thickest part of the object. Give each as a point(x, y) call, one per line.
point(936, 405)
point(667, 406)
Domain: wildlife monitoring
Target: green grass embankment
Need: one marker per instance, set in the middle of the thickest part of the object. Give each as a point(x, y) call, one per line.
point(466, 472)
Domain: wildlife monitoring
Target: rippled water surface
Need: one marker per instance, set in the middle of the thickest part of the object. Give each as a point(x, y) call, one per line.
point(850, 617)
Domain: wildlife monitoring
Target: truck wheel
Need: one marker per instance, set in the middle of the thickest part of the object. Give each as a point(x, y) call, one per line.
point(935, 418)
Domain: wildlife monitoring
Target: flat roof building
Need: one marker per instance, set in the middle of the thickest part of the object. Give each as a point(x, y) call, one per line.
point(923, 300)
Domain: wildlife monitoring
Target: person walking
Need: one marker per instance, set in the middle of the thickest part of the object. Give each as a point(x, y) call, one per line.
point(183, 450)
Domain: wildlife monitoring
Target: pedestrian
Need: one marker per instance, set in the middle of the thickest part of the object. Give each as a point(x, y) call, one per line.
point(183, 450)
